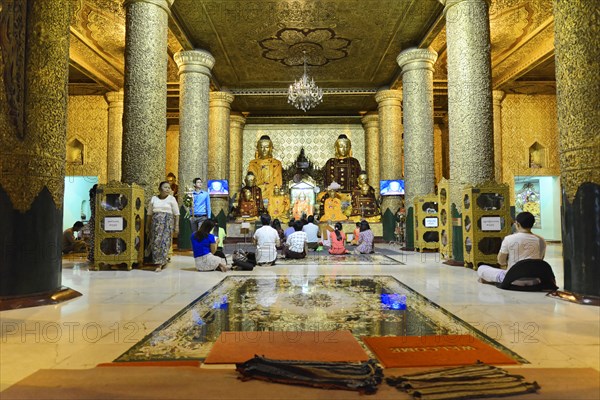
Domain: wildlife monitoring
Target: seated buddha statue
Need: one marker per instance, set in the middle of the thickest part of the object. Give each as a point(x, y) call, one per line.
point(279, 205)
point(302, 207)
point(266, 169)
point(364, 202)
point(250, 201)
point(332, 208)
point(343, 169)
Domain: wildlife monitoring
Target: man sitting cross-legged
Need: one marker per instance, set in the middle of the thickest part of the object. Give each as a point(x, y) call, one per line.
point(296, 243)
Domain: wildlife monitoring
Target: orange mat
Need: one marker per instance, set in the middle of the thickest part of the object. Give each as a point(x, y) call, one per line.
point(237, 347)
point(429, 351)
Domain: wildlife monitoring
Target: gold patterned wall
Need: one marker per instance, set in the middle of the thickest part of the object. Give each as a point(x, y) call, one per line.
point(527, 120)
point(87, 124)
point(318, 142)
point(173, 151)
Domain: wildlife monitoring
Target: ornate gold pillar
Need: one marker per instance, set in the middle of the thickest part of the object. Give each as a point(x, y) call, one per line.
point(114, 144)
point(34, 40)
point(236, 136)
point(469, 95)
point(145, 107)
point(417, 102)
point(194, 88)
point(218, 143)
point(391, 152)
point(470, 117)
point(498, 96)
point(577, 96)
point(370, 123)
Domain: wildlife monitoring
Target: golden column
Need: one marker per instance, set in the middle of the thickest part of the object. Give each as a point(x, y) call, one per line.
point(34, 37)
point(469, 95)
point(391, 152)
point(577, 44)
point(470, 113)
point(219, 108)
point(498, 96)
point(114, 144)
point(145, 106)
point(417, 91)
point(236, 136)
point(370, 123)
point(194, 86)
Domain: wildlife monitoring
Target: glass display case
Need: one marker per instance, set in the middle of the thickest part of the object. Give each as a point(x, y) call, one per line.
point(427, 222)
point(486, 221)
point(119, 229)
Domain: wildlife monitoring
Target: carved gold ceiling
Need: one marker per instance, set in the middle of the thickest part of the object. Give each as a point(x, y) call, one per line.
point(351, 48)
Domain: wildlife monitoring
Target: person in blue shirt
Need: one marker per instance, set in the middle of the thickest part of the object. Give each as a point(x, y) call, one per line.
point(200, 210)
point(204, 245)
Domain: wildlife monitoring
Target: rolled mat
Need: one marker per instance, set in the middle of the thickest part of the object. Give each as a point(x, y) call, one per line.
point(363, 377)
point(468, 382)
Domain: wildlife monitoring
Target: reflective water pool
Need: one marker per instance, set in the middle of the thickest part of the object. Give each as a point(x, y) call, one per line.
point(367, 306)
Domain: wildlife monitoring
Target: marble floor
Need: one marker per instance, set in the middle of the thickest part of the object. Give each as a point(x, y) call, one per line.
point(119, 308)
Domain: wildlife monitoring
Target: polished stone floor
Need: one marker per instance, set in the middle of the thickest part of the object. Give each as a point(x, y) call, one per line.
point(119, 308)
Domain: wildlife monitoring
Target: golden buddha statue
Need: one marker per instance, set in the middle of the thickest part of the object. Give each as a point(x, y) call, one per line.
point(279, 205)
point(332, 208)
point(364, 202)
point(250, 201)
point(302, 207)
point(266, 169)
point(343, 169)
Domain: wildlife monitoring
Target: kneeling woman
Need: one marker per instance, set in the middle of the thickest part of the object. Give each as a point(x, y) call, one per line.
point(205, 245)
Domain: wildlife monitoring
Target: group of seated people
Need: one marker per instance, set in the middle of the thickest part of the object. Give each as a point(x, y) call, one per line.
point(295, 242)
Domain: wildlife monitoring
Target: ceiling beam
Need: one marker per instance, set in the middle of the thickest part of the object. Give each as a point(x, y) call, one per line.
point(86, 58)
point(534, 50)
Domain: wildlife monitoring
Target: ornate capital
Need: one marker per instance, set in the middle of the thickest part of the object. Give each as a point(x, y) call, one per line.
point(164, 4)
point(237, 119)
point(389, 98)
point(115, 99)
point(370, 120)
point(200, 61)
point(498, 96)
point(415, 58)
point(449, 3)
point(221, 99)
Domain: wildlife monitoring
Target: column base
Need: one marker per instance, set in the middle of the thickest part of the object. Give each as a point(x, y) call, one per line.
point(454, 263)
point(40, 299)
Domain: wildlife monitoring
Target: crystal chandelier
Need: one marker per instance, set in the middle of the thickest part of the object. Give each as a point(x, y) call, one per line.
point(304, 94)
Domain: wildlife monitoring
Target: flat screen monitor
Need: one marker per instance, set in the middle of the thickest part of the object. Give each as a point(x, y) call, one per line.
point(391, 187)
point(491, 224)
point(431, 222)
point(218, 187)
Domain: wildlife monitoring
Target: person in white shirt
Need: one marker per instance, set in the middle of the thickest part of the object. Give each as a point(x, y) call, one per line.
point(164, 214)
point(296, 243)
point(521, 245)
point(312, 232)
point(266, 239)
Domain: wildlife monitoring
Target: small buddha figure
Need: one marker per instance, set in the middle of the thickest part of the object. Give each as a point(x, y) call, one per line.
point(247, 204)
point(266, 169)
point(302, 207)
point(332, 208)
point(343, 169)
point(279, 205)
point(250, 202)
point(364, 202)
